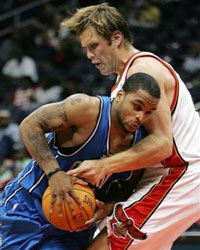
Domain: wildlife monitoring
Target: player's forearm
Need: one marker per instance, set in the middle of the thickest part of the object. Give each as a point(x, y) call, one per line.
point(35, 141)
point(144, 154)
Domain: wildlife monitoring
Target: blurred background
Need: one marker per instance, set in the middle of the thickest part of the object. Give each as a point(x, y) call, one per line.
point(41, 63)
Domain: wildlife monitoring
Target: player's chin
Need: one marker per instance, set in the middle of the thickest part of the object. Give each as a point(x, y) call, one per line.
point(130, 129)
point(105, 73)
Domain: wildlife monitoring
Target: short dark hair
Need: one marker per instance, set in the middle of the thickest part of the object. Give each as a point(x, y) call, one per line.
point(142, 81)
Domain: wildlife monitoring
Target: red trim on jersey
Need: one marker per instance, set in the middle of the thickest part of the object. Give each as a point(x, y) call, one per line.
point(121, 73)
point(176, 88)
point(175, 160)
point(142, 210)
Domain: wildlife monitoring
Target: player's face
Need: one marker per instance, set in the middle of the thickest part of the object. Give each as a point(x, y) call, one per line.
point(134, 109)
point(102, 54)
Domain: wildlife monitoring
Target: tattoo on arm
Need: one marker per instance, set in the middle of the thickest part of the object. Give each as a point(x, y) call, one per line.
point(41, 147)
point(51, 118)
point(75, 100)
point(46, 116)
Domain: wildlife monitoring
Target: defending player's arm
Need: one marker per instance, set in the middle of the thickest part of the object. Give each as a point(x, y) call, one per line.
point(152, 149)
point(158, 144)
point(56, 117)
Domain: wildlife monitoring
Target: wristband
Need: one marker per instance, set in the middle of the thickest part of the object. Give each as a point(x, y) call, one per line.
point(53, 171)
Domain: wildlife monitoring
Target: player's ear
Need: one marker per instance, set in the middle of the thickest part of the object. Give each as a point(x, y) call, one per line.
point(120, 95)
point(116, 37)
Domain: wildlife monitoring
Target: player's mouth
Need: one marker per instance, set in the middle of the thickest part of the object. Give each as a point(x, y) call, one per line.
point(98, 65)
point(133, 126)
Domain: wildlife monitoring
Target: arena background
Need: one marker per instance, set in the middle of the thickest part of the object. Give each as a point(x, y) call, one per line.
point(51, 64)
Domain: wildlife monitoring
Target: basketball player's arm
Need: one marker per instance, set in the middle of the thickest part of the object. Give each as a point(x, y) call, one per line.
point(55, 117)
point(150, 150)
point(158, 145)
point(154, 148)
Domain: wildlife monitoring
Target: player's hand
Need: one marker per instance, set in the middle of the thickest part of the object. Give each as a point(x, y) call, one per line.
point(91, 171)
point(61, 186)
point(103, 210)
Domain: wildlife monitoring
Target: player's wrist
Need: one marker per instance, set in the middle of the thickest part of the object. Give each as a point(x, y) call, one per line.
point(52, 172)
point(104, 165)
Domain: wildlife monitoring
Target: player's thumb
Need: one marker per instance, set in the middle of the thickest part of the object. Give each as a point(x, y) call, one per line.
point(72, 172)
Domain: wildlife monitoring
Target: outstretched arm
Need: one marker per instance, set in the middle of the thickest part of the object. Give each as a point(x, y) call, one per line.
point(154, 148)
point(150, 150)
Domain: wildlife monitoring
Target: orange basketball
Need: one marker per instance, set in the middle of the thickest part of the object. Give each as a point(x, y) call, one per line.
point(69, 221)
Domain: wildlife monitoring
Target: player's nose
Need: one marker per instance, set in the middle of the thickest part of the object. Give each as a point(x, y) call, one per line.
point(90, 54)
point(140, 116)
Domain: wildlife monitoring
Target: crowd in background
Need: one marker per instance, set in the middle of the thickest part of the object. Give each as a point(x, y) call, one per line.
point(43, 63)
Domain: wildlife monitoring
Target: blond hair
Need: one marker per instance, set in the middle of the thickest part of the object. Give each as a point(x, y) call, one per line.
point(104, 18)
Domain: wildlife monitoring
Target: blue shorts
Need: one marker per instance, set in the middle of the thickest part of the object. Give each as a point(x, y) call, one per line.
point(24, 227)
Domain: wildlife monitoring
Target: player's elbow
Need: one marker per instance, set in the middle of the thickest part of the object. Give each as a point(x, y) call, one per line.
point(167, 147)
point(28, 125)
point(24, 125)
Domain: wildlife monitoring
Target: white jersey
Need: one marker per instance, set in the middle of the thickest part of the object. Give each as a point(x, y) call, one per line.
point(186, 132)
point(166, 200)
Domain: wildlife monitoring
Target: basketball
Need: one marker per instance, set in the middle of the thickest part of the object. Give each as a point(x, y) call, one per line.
point(69, 221)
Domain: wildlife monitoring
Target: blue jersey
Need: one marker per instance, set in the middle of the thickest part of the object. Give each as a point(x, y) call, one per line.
point(21, 205)
point(33, 179)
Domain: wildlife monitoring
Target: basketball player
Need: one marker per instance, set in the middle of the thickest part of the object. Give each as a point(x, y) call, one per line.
point(167, 199)
point(79, 128)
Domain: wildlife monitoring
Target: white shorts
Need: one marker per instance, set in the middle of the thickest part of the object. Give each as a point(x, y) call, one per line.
point(165, 203)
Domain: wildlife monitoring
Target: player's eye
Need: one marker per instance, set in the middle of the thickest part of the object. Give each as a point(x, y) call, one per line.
point(148, 112)
point(94, 45)
point(137, 107)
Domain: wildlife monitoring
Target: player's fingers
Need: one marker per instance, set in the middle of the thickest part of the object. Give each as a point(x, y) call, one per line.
point(82, 228)
point(77, 171)
point(80, 181)
point(91, 221)
point(100, 204)
point(75, 197)
point(59, 204)
point(53, 200)
point(72, 172)
point(69, 202)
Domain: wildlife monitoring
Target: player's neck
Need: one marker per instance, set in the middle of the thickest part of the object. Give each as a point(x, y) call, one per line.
point(125, 53)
